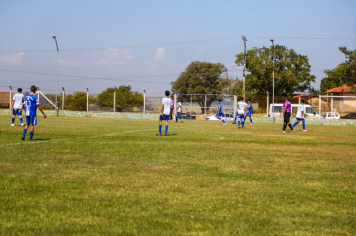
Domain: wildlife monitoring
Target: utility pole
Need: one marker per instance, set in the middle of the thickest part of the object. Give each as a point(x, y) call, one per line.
point(57, 111)
point(244, 75)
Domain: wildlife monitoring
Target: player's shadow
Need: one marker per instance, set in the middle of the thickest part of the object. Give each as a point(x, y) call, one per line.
point(170, 134)
point(40, 139)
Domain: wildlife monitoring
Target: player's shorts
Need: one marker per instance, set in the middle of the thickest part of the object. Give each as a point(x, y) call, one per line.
point(249, 113)
point(219, 114)
point(286, 117)
point(300, 119)
point(241, 116)
point(17, 112)
point(31, 120)
point(178, 114)
point(164, 117)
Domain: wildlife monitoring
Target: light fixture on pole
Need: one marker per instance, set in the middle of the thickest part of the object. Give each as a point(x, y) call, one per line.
point(10, 96)
point(272, 40)
point(144, 101)
point(63, 100)
point(244, 75)
point(55, 39)
point(87, 100)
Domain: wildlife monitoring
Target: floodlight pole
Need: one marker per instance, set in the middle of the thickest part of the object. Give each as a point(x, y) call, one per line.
point(273, 79)
point(10, 96)
point(244, 69)
point(114, 100)
point(144, 101)
point(55, 39)
point(63, 100)
point(87, 100)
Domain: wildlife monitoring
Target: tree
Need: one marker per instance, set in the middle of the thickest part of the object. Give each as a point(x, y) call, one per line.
point(125, 98)
point(75, 102)
point(344, 73)
point(202, 78)
point(292, 70)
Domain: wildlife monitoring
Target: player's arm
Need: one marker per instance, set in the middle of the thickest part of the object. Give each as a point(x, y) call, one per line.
point(39, 108)
point(12, 104)
point(161, 109)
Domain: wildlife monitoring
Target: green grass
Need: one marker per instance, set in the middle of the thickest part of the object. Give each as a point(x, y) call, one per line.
point(114, 176)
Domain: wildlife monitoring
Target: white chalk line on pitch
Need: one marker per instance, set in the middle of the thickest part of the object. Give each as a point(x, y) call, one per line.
point(56, 140)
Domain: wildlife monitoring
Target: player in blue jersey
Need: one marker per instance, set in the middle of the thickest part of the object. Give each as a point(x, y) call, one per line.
point(249, 111)
point(17, 106)
point(165, 112)
point(220, 113)
point(31, 103)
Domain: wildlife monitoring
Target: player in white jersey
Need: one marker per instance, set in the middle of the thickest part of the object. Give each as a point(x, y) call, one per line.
point(17, 106)
point(165, 112)
point(179, 110)
point(300, 115)
point(241, 106)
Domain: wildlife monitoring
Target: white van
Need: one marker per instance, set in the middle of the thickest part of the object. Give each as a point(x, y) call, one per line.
point(309, 111)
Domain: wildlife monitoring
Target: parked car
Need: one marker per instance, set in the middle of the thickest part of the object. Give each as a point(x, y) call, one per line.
point(186, 116)
point(309, 111)
point(351, 115)
point(330, 115)
point(226, 116)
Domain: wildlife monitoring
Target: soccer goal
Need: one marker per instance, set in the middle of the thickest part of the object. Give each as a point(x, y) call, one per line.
point(333, 107)
point(38, 93)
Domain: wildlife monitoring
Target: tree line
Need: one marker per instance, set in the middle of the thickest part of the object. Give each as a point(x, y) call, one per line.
point(125, 98)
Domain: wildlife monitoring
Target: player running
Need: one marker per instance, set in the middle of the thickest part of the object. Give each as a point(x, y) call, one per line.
point(220, 113)
point(241, 106)
point(165, 112)
point(31, 103)
point(179, 110)
point(249, 111)
point(300, 115)
point(286, 114)
point(17, 106)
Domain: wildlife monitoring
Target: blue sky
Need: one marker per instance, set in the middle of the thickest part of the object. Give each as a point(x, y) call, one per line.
point(147, 44)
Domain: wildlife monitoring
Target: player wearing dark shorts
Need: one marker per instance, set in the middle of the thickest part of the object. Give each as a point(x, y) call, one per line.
point(287, 108)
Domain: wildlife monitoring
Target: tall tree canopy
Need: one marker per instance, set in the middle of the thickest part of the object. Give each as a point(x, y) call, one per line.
point(292, 70)
point(75, 102)
point(202, 78)
point(125, 98)
point(344, 73)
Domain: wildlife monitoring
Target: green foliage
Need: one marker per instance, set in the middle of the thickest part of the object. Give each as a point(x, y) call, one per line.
point(125, 98)
point(344, 73)
point(74, 102)
point(292, 70)
point(202, 78)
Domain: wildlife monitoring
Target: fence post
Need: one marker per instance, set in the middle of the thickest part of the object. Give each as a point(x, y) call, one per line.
point(319, 110)
point(87, 100)
point(39, 95)
point(63, 100)
point(267, 104)
point(175, 106)
point(191, 104)
point(114, 108)
point(10, 96)
point(332, 103)
point(205, 108)
point(144, 101)
point(235, 99)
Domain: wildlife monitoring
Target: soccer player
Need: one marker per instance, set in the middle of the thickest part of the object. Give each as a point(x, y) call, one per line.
point(287, 107)
point(171, 117)
point(237, 113)
point(249, 111)
point(220, 113)
point(165, 112)
point(300, 115)
point(31, 103)
point(179, 110)
point(241, 106)
point(16, 106)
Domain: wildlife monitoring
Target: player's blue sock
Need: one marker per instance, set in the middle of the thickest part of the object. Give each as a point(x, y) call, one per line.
point(238, 123)
point(219, 118)
point(295, 124)
point(284, 126)
point(21, 120)
point(166, 129)
point(24, 132)
point(31, 135)
point(251, 121)
point(223, 121)
point(13, 120)
point(243, 123)
point(303, 125)
point(160, 129)
point(235, 120)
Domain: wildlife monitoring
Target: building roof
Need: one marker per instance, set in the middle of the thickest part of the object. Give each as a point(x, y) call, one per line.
point(304, 96)
point(343, 88)
point(4, 97)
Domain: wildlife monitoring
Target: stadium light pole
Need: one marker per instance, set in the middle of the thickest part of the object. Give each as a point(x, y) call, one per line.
point(144, 101)
point(63, 100)
point(87, 100)
point(55, 39)
point(10, 95)
point(272, 40)
point(243, 78)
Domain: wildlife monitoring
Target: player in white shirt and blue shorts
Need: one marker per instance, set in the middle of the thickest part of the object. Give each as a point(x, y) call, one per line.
point(179, 110)
point(165, 112)
point(17, 106)
point(241, 106)
point(300, 115)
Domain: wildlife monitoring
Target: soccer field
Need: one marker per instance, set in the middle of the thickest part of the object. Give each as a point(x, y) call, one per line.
point(115, 176)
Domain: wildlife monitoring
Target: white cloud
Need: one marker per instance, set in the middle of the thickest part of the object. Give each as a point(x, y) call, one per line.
point(65, 62)
point(160, 53)
point(13, 59)
point(111, 56)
